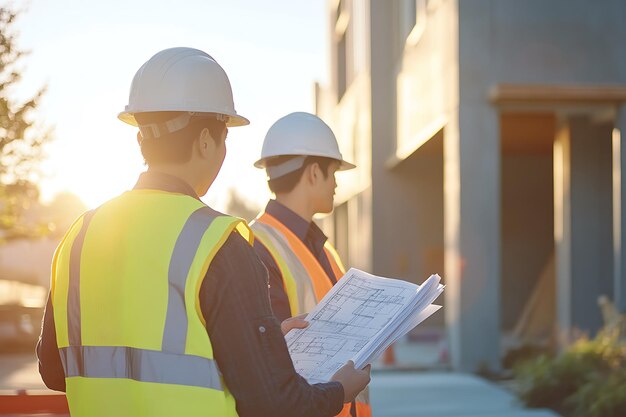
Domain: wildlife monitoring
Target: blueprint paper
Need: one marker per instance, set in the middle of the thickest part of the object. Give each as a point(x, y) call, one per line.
point(358, 317)
point(407, 326)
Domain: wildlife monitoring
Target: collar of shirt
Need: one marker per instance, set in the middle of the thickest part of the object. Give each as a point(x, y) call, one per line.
point(153, 180)
point(307, 232)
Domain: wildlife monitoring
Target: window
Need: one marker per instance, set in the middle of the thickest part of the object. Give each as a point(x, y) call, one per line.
point(344, 46)
point(407, 18)
point(411, 21)
point(341, 67)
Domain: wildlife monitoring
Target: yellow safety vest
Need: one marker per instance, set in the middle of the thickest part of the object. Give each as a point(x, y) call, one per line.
point(304, 278)
point(125, 291)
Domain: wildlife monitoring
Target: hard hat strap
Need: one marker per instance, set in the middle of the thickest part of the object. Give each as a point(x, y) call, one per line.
point(217, 116)
point(156, 130)
point(290, 165)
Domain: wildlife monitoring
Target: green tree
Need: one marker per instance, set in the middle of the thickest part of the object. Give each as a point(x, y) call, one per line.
point(21, 137)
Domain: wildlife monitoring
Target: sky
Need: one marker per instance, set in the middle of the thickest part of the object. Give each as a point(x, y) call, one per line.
point(87, 53)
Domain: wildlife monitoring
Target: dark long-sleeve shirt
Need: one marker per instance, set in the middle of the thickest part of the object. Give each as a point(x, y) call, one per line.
point(247, 342)
point(312, 237)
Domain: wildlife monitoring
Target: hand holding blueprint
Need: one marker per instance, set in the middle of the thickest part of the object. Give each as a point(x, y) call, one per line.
point(357, 320)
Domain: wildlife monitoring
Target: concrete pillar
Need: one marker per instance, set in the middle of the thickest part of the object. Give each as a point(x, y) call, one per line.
point(583, 223)
point(472, 199)
point(387, 217)
point(472, 237)
point(619, 205)
point(562, 230)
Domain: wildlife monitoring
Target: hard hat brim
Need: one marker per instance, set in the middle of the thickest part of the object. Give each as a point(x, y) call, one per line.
point(344, 165)
point(234, 120)
point(237, 120)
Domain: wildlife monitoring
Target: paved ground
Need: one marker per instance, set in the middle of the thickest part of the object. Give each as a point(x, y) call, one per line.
point(442, 394)
point(438, 392)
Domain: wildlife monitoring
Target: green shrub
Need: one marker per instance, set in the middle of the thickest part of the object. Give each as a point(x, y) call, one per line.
point(588, 379)
point(601, 396)
point(518, 355)
point(547, 383)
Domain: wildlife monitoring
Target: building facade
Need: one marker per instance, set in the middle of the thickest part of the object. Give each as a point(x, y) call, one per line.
point(487, 135)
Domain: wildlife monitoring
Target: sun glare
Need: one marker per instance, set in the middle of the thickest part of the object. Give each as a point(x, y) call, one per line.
point(95, 156)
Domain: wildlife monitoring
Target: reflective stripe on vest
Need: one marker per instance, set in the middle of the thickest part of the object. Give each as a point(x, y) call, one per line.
point(332, 255)
point(175, 333)
point(140, 365)
point(73, 297)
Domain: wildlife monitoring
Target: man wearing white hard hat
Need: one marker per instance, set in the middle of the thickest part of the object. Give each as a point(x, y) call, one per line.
point(158, 304)
point(300, 155)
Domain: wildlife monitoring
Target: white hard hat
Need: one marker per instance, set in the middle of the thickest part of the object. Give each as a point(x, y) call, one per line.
point(181, 80)
point(299, 134)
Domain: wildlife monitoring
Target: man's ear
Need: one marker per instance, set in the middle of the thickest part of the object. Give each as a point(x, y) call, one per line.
point(313, 172)
point(139, 138)
point(205, 143)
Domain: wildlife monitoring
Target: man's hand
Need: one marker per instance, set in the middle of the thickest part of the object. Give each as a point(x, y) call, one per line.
point(297, 322)
point(353, 380)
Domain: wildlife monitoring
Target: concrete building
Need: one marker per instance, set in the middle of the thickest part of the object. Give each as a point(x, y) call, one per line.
point(487, 135)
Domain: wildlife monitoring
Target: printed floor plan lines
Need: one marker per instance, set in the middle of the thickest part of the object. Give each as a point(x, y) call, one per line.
point(370, 308)
point(352, 317)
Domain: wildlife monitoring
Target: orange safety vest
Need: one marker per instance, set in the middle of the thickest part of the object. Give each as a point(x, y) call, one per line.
point(304, 278)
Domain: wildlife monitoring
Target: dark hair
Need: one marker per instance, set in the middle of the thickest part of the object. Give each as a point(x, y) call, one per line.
point(288, 182)
point(176, 147)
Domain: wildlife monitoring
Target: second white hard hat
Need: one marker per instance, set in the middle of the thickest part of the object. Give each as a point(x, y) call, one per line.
point(182, 80)
point(300, 134)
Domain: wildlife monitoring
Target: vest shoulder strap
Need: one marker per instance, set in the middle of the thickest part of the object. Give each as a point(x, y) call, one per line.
point(296, 280)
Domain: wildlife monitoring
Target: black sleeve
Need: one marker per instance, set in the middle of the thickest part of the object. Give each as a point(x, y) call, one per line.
point(248, 344)
point(278, 296)
point(50, 367)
